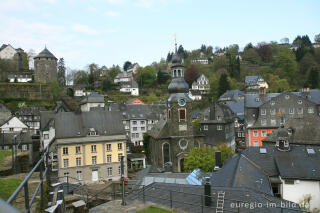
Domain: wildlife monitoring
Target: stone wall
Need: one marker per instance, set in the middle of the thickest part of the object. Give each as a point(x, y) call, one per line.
point(45, 70)
point(25, 90)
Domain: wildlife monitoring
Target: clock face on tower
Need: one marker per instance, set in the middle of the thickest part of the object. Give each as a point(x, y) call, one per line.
point(182, 102)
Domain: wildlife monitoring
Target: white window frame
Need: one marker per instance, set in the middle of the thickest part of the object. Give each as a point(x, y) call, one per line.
point(65, 151)
point(255, 133)
point(256, 143)
point(79, 175)
point(94, 160)
point(263, 111)
point(93, 148)
point(264, 133)
point(291, 111)
point(300, 111)
point(78, 151)
point(109, 171)
point(119, 146)
point(78, 161)
point(219, 127)
point(263, 122)
point(65, 163)
point(310, 110)
point(109, 158)
point(205, 127)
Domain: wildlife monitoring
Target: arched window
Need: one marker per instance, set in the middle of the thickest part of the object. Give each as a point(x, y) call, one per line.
point(166, 152)
point(169, 114)
point(179, 73)
point(196, 144)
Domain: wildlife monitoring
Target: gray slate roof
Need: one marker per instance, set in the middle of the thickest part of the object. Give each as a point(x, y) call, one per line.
point(237, 107)
point(124, 75)
point(256, 100)
point(231, 95)
point(252, 80)
point(294, 164)
point(305, 131)
point(30, 110)
point(45, 54)
point(70, 124)
point(188, 198)
point(129, 84)
point(93, 98)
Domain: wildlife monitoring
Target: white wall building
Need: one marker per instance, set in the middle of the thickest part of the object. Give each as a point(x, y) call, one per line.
point(92, 100)
point(123, 77)
point(21, 78)
point(202, 83)
point(130, 87)
point(13, 125)
point(7, 51)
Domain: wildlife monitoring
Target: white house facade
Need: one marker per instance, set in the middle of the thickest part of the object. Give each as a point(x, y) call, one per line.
point(13, 125)
point(7, 52)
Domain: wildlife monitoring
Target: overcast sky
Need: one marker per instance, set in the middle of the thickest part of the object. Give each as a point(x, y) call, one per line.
point(110, 32)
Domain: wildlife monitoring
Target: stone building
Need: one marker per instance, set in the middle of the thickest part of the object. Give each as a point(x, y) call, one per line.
point(173, 137)
point(45, 67)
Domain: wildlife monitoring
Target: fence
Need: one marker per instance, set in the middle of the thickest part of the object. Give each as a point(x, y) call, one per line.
point(24, 185)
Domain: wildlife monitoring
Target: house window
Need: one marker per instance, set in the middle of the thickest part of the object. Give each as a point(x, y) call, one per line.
point(119, 157)
point(137, 135)
point(135, 128)
point(110, 171)
point(78, 160)
point(65, 163)
point(108, 147)
point(263, 112)
point(272, 111)
point(263, 133)
point(66, 176)
point(255, 143)
point(205, 127)
point(142, 122)
point(272, 102)
point(133, 135)
point(273, 122)
point(263, 122)
point(182, 114)
point(65, 150)
point(119, 146)
point(124, 122)
point(94, 160)
point(310, 110)
point(219, 127)
point(109, 159)
point(78, 150)
point(291, 111)
point(143, 128)
point(79, 175)
point(46, 136)
point(219, 118)
point(300, 111)
point(255, 133)
point(93, 148)
point(11, 129)
point(257, 99)
point(134, 122)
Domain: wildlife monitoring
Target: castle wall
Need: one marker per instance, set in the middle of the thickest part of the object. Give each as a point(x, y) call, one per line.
point(45, 69)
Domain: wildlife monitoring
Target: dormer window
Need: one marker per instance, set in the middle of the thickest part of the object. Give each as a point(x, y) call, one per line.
point(257, 99)
point(92, 132)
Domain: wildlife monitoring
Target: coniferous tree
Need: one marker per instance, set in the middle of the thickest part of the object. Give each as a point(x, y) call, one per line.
point(313, 77)
point(223, 84)
point(61, 73)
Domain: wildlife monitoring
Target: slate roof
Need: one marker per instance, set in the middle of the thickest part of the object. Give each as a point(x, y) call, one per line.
point(256, 100)
point(142, 111)
point(30, 110)
point(313, 95)
point(237, 107)
point(45, 117)
point(305, 131)
point(93, 98)
point(252, 80)
point(129, 84)
point(231, 95)
point(45, 54)
point(188, 198)
point(294, 164)
point(124, 75)
point(239, 171)
point(70, 124)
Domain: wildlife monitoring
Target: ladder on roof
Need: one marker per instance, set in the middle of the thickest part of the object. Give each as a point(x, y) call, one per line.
point(220, 202)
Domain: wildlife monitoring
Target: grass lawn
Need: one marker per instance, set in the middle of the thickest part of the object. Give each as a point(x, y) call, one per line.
point(8, 186)
point(153, 209)
point(4, 154)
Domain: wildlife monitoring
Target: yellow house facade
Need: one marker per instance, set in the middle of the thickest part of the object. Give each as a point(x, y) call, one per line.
point(92, 158)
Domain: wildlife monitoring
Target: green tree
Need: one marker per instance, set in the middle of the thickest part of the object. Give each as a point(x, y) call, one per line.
point(306, 63)
point(317, 38)
point(162, 77)
point(80, 78)
point(146, 76)
point(56, 90)
point(106, 84)
point(223, 84)
point(126, 65)
point(204, 158)
point(313, 77)
point(61, 73)
point(251, 55)
point(93, 74)
point(24, 62)
point(147, 146)
point(113, 72)
point(287, 63)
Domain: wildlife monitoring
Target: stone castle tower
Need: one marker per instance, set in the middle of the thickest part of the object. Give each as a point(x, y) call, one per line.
point(173, 138)
point(45, 67)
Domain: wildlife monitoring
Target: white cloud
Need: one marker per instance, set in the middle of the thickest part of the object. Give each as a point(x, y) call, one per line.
point(112, 13)
point(150, 3)
point(115, 1)
point(84, 29)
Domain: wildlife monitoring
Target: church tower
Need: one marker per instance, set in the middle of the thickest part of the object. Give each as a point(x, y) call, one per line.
point(179, 102)
point(172, 139)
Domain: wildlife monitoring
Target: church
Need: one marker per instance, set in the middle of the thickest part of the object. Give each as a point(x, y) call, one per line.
point(173, 137)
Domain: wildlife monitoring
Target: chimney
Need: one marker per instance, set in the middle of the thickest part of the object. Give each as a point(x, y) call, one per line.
point(218, 159)
point(207, 192)
point(212, 111)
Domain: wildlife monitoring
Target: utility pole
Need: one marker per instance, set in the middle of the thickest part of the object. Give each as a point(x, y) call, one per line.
point(122, 179)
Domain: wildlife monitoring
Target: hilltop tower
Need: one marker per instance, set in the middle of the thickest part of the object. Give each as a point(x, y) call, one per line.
point(45, 67)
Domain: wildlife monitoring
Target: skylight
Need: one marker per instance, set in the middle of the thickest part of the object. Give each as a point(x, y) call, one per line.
point(310, 151)
point(263, 150)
